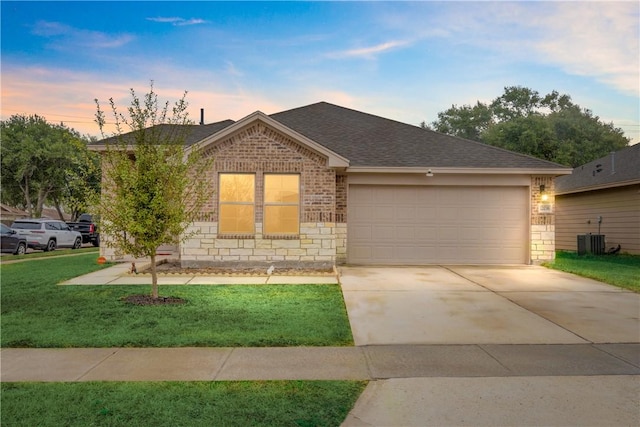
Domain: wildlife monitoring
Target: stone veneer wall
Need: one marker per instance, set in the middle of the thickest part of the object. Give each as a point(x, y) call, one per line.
point(315, 247)
point(543, 240)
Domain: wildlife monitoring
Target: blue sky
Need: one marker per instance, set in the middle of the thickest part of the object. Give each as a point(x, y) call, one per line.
point(402, 60)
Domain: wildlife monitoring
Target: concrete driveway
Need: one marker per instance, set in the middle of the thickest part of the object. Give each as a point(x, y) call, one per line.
point(485, 305)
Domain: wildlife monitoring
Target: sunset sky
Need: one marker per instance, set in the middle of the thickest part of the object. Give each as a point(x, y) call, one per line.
point(401, 60)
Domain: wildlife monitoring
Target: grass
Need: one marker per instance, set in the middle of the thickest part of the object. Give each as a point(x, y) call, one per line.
point(35, 312)
point(620, 270)
point(42, 254)
point(246, 403)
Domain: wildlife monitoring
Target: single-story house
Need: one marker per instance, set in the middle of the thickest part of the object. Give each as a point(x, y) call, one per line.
point(9, 214)
point(326, 185)
point(601, 197)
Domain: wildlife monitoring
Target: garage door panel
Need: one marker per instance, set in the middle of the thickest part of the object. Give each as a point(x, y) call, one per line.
point(361, 233)
point(435, 225)
point(425, 233)
point(406, 233)
point(448, 235)
point(386, 233)
point(361, 252)
point(406, 213)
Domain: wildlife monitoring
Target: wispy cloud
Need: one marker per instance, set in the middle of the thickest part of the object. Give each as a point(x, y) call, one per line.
point(63, 36)
point(177, 21)
point(369, 52)
point(595, 39)
point(592, 39)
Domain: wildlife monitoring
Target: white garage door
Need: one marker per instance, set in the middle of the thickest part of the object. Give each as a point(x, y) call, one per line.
point(411, 225)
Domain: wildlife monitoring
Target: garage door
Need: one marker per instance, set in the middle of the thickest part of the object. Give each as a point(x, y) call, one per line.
point(410, 225)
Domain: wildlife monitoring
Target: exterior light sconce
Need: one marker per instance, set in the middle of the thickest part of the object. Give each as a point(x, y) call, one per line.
point(543, 194)
point(429, 173)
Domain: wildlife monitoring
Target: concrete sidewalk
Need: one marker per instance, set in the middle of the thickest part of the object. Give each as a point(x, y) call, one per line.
point(410, 385)
point(317, 363)
point(119, 275)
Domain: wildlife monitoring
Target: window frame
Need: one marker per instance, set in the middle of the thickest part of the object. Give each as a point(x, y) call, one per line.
point(236, 203)
point(266, 204)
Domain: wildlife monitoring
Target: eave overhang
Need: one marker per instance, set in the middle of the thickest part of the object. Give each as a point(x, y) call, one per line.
point(103, 147)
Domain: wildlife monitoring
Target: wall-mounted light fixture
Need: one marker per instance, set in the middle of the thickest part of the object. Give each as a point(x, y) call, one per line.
point(429, 173)
point(543, 194)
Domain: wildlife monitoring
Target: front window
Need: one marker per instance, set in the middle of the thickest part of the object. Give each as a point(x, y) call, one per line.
point(281, 204)
point(237, 206)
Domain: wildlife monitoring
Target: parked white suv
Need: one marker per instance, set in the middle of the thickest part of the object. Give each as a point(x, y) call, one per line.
point(47, 234)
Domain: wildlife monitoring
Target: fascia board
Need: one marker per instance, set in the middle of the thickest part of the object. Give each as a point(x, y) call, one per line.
point(103, 148)
point(436, 170)
point(335, 160)
point(599, 187)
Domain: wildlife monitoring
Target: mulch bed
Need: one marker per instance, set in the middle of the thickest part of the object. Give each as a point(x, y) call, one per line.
point(149, 300)
point(172, 268)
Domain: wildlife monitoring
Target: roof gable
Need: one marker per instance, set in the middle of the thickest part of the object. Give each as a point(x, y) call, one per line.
point(618, 168)
point(334, 159)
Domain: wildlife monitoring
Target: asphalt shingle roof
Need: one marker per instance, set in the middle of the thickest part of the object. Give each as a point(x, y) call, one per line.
point(372, 141)
point(622, 166)
point(368, 140)
point(194, 134)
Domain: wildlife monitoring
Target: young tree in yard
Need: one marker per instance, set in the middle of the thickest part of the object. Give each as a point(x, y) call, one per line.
point(155, 187)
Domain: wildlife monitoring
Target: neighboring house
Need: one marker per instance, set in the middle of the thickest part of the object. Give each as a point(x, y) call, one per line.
point(8, 214)
point(325, 185)
point(607, 189)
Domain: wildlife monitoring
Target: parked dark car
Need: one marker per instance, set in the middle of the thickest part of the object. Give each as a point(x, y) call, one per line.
point(47, 234)
point(12, 242)
point(88, 228)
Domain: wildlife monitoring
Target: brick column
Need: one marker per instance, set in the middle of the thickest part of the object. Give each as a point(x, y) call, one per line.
point(543, 233)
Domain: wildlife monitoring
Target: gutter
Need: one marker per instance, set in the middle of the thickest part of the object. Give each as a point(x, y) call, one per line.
point(453, 170)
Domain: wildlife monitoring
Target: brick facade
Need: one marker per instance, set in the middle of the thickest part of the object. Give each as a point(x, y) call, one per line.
point(259, 149)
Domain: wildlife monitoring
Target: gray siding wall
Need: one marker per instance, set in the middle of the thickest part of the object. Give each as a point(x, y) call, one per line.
point(620, 212)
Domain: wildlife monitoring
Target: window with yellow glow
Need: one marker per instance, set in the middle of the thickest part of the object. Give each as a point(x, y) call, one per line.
point(237, 204)
point(281, 204)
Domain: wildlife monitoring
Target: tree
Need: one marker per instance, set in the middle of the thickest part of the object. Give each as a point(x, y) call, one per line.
point(550, 127)
point(155, 187)
point(81, 185)
point(466, 121)
point(37, 160)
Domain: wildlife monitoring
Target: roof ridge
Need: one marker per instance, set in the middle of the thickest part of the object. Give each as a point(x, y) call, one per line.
point(364, 113)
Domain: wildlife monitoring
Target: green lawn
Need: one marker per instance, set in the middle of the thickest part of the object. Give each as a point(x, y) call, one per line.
point(246, 403)
point(57, 252)
point(35, 312)
point(619, 270)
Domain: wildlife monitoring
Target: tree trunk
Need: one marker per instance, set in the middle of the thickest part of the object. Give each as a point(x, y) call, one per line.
point(154, 277)
point(57, 203)
point(27, 197)
point(42, 196)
